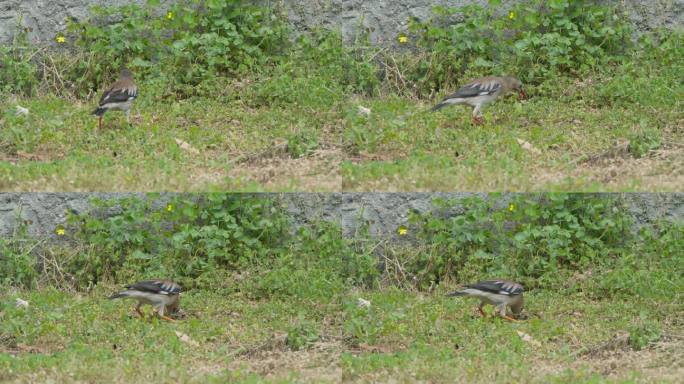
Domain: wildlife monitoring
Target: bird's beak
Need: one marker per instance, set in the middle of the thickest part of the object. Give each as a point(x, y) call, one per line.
point(521, 94)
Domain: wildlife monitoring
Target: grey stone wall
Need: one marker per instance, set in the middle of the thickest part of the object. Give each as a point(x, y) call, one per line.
point(382, 18)
point(383, 212)
point(44, 18)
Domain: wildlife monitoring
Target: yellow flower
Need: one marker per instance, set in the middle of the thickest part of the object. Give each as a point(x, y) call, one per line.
point(403, 39)
point(60, 39)
point(169, 207)
point(60, 231)
point(511, 15)
point(511, 207)
point(169, 15)
point(402, 231)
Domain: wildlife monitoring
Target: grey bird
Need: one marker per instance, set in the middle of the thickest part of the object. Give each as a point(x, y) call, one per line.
point(119, 96)
point(162, 295)
point(499, 293)
point(480, 92)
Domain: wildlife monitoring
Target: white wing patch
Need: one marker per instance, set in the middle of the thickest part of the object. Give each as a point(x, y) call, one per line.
point(508, 288)
point(486, 88)
point(166, 288)
point(131, 92)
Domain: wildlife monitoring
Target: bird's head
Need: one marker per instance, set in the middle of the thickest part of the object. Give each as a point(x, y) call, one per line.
point(517, 307)
point(125, 73)
point(174, 306)
point(516, 85)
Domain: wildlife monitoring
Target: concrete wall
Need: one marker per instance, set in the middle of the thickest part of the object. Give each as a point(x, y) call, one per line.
point(44, 18)
point(384, 212)
point(382, 18)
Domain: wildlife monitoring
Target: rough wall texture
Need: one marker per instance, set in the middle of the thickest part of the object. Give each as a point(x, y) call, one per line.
point(44, 18)
point(384, 212)
point(382, 18)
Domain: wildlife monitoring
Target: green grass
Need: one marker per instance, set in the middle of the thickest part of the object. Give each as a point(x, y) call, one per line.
point(247, 109)
point(297, 142)
point(405, 335)
point(264, 304)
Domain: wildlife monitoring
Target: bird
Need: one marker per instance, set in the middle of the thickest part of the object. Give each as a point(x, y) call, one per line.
point(162, 295)
point(499, 293)
point(119, 96)
point(480, 92)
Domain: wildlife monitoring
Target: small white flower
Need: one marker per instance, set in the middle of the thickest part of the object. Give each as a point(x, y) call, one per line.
point(363, 303)
point(364, 111)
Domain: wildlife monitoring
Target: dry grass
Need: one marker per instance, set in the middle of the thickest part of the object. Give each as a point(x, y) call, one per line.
point(544, 143)
point(416, 337)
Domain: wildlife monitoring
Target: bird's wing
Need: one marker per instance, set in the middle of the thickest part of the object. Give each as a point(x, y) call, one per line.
point(502, 287)
point(121, 91)
point(480, 87)
point(163, 287)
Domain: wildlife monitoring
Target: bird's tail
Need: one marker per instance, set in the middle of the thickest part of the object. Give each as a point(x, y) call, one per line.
point(438, 106)
point(99, 111)
point(457, 293)
point(118, 295)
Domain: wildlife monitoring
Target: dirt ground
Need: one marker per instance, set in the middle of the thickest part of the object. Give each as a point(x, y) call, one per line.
point(320, 171)
point(659, 170)
point(615, 360)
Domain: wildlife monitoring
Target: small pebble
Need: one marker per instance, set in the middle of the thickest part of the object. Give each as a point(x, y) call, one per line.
point(21, 111)
point(364, 111)
point(363, 303)
point(21, 303)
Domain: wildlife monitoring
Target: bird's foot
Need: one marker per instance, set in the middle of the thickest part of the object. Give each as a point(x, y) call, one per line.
point(511, 319)
point(481, 312)
point(168, 318)
point(478, 120)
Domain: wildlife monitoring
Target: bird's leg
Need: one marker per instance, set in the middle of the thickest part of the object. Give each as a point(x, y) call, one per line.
point(510, 319)
point(502, 313)
point(128, 117)
point(160, 312)
point(137, 309)
point(477, 117)
point(479, 309)
point(99, 124)
point(478, 120)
